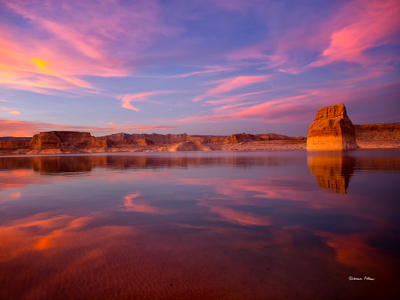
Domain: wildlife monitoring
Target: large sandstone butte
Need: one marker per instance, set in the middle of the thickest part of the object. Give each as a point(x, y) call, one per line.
point(331, 130)
point(65, 140)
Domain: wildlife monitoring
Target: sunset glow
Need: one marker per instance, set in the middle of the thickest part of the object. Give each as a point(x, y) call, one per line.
point(200, 67)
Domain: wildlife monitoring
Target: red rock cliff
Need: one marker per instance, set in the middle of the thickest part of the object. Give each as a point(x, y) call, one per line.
point(386, 135)
point(158, 139)
point(65, 140)
point(246, 137)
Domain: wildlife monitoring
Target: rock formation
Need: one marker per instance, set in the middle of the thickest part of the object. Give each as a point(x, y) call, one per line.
point(10, 142)
point(188, 146)
point(65, 140)
point(378, 135)
point(158, 139)
point(331, 130)
point(246, 138)
point(14, 144)
point(114, 143)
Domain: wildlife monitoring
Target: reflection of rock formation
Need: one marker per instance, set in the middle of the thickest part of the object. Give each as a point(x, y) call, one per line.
point(319, 165)
point(331, 130)
point(66, 164)
point(86, 163)
point(332, 172)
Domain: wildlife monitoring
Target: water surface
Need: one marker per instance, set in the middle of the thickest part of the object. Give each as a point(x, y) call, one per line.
point(196, 225)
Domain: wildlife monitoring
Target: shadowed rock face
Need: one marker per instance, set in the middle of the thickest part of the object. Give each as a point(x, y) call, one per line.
point(65, 140)
point(14, 144)
point(157, 139)
point(331, 130)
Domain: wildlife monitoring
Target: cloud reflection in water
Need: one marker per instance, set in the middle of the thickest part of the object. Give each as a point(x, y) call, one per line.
point(200, 225)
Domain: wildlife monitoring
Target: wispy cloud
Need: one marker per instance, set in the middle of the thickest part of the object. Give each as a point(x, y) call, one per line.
point(373, 24)
point(73, 39)
point(231, 84)
point(128, 98)
point(29, 128)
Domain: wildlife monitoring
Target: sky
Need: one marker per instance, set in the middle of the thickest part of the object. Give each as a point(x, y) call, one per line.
point(197, 67)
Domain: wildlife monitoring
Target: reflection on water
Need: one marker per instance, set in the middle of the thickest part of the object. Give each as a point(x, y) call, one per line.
point(332, 173)
point(334, 170)
point(253, 225)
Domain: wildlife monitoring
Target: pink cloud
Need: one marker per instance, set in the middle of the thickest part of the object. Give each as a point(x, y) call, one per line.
point(128, 98)
point(131, 203)
point(373, 23)
point(286, 109)
point(230, 84)
point(144, 128)
point(73, 39)
point(343, 36)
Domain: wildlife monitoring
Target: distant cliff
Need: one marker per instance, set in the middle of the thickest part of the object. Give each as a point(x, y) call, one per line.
point(157, 139)
point(382, 135)
point(65, 140)
point(127, 143)
point(10, 142)
point(246, 137)
point(383, 131)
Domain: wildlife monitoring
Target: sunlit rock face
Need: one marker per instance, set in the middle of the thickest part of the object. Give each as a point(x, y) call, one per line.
point(332, 172)
point(65, 140)
point(115, 143)
point(188, 146)
point(331, 130)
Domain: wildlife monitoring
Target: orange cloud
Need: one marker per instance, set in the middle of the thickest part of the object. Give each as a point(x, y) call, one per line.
point(14, 112)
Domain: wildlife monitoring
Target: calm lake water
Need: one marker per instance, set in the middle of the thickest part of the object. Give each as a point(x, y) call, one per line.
point(201, 225)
